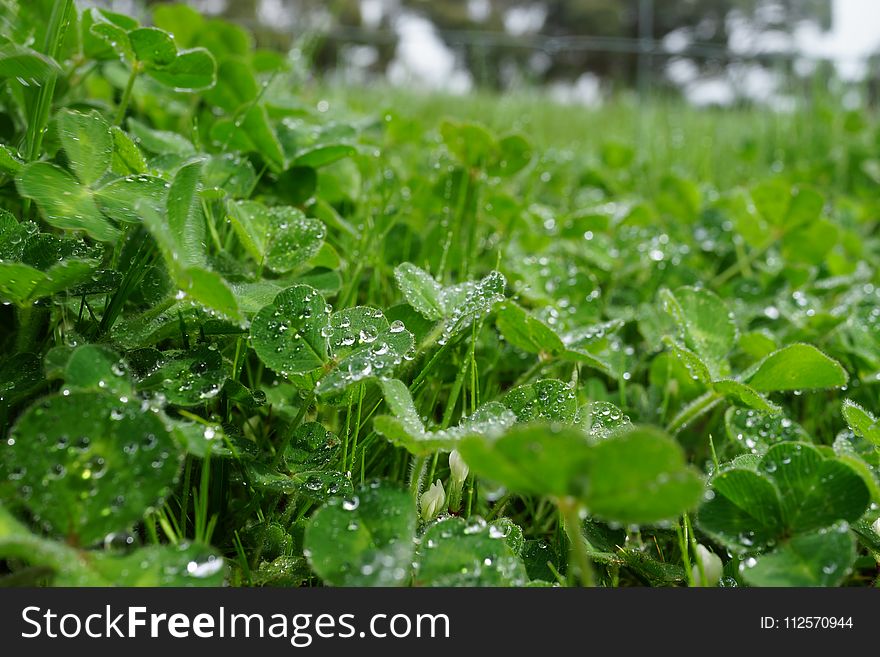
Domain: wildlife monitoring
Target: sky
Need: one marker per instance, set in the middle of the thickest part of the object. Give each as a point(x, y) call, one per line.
point(855, 33)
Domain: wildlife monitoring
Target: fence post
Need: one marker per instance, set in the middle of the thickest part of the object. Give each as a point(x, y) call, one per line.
point(646, 47)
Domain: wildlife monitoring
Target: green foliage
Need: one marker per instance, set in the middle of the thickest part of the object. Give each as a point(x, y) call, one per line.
point(298, 333)
point(159, 565)
point(406, 429)
point(456, 552)
point(705, 324)
point(87, 464)
point(456, 306)
point(796, 500)
point(287, 334)
point(153, 50)
point(364, 540)
point(282, 238)
point(798, 367)
point(64, 201)
point(637, 476)
point(232, 300)
point(21, 62)
point(550, 400)
point(861, 422)
point(822, 558)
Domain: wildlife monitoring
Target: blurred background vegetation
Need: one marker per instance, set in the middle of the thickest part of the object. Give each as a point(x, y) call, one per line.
point(712, 52)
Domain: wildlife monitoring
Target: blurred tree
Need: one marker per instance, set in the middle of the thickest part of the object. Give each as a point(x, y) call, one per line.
point(494, 39)
point(702, 22)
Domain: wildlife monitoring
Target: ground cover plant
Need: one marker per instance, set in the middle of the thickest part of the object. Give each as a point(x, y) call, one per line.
point(259, 338)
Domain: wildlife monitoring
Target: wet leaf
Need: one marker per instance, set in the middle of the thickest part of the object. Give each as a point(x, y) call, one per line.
point(96, 367)
point(639, 476)
point(794, 488)
point(187, 378)
point(87, 464)
point(422, 292)
point(364, 540)
point(185, 222)
point(20, 62)
point(406, 429)
point(861, 421)
point(705, 325)
point(311, 446)
point(315, 484)
point(190, 70)
point(152, 46)
point(119, 198)
point(745, 395)
point(251, 132)
point(797, 367)
point(201, 440)
point(550, 400)
point(287, 334)
point(815, 491)
point(458, 552)
point(526, 332)
point(87, 142)
point(822, 558)
point(64, 202)
point(230, 174)
point(127, 157)
point(10, 160)
point(457, 305)
point(160, 141)
point(601, 419)
point(365, 345)
point(282, 238)
point(756, 431)
point(745, 513)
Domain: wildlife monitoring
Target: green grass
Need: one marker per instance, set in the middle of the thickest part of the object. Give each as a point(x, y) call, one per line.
point(259, 332)
point(668, 133)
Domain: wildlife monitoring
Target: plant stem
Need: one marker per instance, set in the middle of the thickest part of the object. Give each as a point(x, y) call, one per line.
point(692, 544)
point(743, 262)
point(571, 521)
point(30, 320)
point(681, 531)
point(126, 95)
point(307, 403)
point(431, 363)
point(452, 399)
point(58, 20)
point(701, 405)
point(415, 476)
point(472, 483)
point(357, 424)
point(526, 376)
point(715, 461)
point(454, 498)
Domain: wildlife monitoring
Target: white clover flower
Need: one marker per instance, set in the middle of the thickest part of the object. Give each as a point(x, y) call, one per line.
point(432, 501)
point(458, 467)
point(712, 567)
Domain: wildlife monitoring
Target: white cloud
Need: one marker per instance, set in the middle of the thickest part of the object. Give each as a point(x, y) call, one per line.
point(423, 59)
